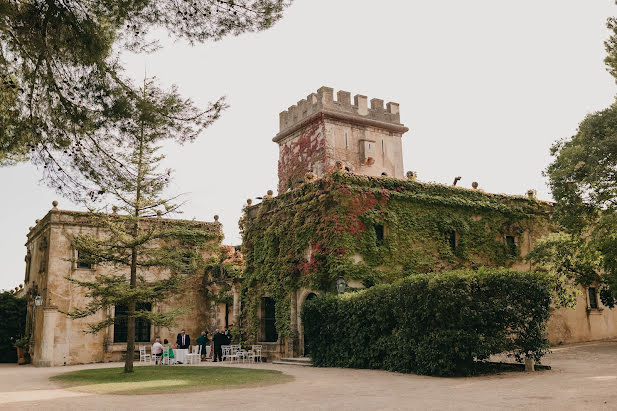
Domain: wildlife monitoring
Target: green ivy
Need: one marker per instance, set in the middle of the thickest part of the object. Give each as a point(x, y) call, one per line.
point(334, 218)
point(435, 324)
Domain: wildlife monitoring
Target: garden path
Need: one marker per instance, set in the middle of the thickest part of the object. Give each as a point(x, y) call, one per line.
point(584, 376)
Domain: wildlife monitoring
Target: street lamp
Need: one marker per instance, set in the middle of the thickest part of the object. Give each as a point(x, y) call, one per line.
point(341, 285)
point(38, 300)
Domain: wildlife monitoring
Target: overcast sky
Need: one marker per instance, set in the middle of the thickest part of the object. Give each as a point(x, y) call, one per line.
point(485, 86)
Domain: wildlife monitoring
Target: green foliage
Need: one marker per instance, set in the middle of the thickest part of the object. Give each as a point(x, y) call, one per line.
point(582, 180)
point(68, 95)
point(12, 326)
point(333, 220)
point(434, 324)
point(570, 260)
point(135, 236)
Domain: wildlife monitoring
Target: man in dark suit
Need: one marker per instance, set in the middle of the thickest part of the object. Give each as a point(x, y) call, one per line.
point(183, 341)
point(219, 340)
point(227, 334)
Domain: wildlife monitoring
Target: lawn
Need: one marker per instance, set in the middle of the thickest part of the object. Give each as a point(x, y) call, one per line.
point(159, 380)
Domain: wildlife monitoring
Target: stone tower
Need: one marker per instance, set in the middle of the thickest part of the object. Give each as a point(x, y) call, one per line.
point(318, 131)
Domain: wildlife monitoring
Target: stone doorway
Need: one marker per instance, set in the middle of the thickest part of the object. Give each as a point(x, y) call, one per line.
point(307, 346)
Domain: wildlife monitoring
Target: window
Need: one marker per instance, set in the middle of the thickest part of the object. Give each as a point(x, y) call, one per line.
point(268, 318)
point(593, 298)
point(379, 231)
point(510, 246)
point(142, 327)
point(84, 260)
point(450, 239)
point(346, 145)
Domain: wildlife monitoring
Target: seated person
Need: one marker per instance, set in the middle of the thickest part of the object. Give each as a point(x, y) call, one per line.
point(157, 350)
point(166, 344)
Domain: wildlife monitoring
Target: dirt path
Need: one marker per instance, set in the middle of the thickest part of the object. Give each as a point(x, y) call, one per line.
point(583, 377)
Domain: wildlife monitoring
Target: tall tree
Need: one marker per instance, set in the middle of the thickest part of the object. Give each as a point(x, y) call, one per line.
point(136, 236)
point(583, 181)
point(60, 65)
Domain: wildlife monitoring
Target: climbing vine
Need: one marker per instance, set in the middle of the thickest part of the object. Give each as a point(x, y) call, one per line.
point(299, 156)
point(374, 230)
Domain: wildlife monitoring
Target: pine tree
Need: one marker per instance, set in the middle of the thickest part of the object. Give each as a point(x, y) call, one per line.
point(60, 65)
point(137, 236)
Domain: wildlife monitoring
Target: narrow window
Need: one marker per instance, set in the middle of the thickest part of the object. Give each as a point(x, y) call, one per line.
point(382, 149)
point(450, 238)
point(227, 309)
point(142, 326)
point(84, 260)
point(268, 320)
point(511, 246)
point(346, 145)
point(378, 234)
point(593, 298)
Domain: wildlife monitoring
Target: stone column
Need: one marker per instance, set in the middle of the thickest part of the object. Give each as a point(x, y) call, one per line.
point(293, 326)
point(236, 306)
point(50, 313)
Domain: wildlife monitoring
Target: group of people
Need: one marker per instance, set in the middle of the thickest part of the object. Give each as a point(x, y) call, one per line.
point(183, 341)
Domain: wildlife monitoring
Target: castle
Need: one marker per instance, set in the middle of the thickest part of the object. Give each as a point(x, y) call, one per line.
point(318, 131)
point(346, 216)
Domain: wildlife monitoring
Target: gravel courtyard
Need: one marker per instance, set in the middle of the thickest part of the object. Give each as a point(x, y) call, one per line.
point(584, 376)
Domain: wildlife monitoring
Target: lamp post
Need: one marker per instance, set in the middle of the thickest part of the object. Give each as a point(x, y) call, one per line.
point(341, 285)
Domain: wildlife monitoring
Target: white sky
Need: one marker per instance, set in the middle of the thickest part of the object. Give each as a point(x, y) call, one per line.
point(485, 86)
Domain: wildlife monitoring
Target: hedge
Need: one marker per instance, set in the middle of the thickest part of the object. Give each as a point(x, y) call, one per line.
point(432, 324)
point(12, 324)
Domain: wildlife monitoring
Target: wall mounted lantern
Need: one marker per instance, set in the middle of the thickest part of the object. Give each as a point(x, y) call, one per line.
point(38, 301)
point(341, 285)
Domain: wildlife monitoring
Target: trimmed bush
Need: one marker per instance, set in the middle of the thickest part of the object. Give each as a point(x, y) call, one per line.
point(12, 324)
point(433, 324)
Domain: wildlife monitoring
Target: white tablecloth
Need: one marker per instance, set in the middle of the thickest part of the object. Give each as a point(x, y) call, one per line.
point(180, 355)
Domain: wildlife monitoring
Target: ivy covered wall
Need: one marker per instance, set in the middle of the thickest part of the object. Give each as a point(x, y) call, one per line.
point(375, 230)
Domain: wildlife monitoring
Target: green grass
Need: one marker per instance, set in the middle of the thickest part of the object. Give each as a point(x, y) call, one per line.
point(159, 380)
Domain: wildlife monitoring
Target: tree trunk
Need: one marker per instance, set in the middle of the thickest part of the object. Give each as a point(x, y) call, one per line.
point(130, 326)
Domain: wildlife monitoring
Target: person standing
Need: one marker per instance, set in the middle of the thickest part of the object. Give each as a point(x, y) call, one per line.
point(227, 334)
point(219, 340)
point(183, 340)
point(204, 342)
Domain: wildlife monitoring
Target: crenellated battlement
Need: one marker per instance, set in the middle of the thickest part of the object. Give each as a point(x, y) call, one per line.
point(323, 101)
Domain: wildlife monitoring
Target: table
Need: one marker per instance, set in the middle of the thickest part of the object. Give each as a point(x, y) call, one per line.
point(180, 354)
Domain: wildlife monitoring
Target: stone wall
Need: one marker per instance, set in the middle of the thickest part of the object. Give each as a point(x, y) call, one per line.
point(319, 131)
point(59, 340)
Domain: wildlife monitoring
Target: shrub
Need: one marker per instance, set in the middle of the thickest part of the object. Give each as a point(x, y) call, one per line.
point(433, 324)
point(12, 324)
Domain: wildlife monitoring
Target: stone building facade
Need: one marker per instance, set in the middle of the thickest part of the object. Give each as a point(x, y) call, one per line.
point(346, 212)
point(318, 131)
point(55, 339)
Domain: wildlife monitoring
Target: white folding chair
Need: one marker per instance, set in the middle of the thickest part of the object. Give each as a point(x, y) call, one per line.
point(166, 359)
point(255, 354)
point(229, 353)
point(143, 357)
point(195, 355)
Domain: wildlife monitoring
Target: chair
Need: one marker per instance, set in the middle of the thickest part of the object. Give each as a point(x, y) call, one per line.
point(195, 355)
point(166, 359)
point(143, 357)
point(255, 353)
point(229, 353)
